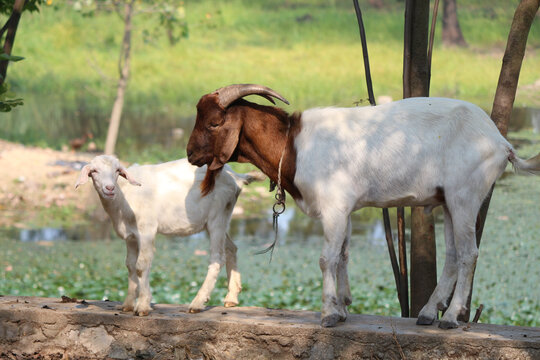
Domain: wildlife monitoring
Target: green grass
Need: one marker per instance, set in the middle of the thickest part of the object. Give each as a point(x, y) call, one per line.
point(67, 79)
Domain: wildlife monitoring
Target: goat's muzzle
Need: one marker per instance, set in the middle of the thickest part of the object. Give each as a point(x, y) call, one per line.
point(194, 159)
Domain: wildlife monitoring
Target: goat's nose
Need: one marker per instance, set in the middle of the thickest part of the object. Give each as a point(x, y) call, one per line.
point(109, 187)
point(189, 153)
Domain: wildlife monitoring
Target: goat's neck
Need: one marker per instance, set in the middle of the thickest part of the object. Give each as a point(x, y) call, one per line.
point(265, 137)
point(116, 208)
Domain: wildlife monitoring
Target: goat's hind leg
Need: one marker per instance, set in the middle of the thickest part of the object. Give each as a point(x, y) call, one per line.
point(233, 275)
point(441, 295)
point(343, 288)
point(464, 221)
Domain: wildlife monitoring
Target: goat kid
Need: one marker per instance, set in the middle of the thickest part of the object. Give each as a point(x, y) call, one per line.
point(412, 152)
point(170, 201)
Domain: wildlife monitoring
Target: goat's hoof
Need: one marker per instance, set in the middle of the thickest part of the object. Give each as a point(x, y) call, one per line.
point(142, 313)
point(424, 320)
point(330, 320)
point(444, 324)
point(228, 304)
point(194, 310)
point(125, 308)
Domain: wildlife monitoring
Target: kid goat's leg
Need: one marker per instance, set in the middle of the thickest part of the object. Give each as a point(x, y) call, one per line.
point(132, 247)
point(233, 276)
point(217, 260)
point(144, 262)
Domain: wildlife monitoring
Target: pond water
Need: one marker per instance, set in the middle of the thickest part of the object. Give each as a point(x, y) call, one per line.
point(292, 226)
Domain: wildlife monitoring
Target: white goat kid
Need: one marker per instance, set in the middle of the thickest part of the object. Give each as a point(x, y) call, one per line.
point(167, 201)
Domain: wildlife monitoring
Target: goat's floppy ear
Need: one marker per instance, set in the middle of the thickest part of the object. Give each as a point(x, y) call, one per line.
point(226, 141)
point(83, 176)
point(123, 172)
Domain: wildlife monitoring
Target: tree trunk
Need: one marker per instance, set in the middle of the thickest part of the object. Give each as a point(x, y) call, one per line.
point(12, 24)
point(416, 75)
point(451, 31)
point(506, 93)
point(123, 69)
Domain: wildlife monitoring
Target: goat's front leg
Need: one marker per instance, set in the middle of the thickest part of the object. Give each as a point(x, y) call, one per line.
point(132, 247)
point(217, 260)
point(335, 231)
point(233, 275)
point(144, 262)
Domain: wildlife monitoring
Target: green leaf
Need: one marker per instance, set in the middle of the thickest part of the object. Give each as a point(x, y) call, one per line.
point(5, 56)
point(7, 105)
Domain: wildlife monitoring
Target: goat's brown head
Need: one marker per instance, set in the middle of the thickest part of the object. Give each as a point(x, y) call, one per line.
point(215, 135)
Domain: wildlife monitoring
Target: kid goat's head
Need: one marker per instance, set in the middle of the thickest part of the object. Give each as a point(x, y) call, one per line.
point(216, 133)
point(104, 171)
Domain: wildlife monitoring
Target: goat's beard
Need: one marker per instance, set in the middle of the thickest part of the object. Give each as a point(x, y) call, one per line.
point(207, 185)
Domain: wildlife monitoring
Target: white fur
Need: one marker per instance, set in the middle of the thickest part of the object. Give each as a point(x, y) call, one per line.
point(168, 202)
point(399, 154)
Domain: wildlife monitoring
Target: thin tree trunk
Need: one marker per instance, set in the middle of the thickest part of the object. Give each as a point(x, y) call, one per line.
point(403, 273)
point(416, 74)
point(451, 31)
point(123, 69)
point(506, 93)
point(12, 24)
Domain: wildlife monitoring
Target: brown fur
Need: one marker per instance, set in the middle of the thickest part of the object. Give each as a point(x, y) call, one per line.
point(209, 181)
point(246, 132)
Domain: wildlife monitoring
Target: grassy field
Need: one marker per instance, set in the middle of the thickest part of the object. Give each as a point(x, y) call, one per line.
point(307, 50)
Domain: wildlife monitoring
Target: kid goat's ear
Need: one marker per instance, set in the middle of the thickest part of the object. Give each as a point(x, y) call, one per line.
point(83, 176)
point(125, 174)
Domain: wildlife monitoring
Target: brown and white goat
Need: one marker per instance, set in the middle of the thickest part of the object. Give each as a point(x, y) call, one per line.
point(412, 152)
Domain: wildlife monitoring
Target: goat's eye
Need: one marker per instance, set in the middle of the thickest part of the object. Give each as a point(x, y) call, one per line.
point(213, 126)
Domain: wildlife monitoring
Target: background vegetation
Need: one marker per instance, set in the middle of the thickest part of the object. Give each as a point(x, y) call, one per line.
point(307, 50)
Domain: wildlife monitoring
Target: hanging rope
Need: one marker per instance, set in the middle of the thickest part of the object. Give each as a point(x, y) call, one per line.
point(279, 204)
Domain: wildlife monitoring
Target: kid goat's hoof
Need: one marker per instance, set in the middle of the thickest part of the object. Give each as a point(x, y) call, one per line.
point(229, 304)
point(194, 311)
point(330, 320)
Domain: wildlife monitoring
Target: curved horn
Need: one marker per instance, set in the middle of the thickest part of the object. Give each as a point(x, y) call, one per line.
point(230, 93)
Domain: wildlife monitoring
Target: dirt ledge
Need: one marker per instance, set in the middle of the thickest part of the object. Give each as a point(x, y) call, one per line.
point(46, 328)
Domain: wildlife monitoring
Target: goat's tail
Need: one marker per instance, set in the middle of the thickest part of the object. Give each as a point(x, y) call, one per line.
point(531, 165)
point(248, 178)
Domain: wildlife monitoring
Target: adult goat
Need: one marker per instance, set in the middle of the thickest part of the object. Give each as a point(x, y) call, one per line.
point(412, 152)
